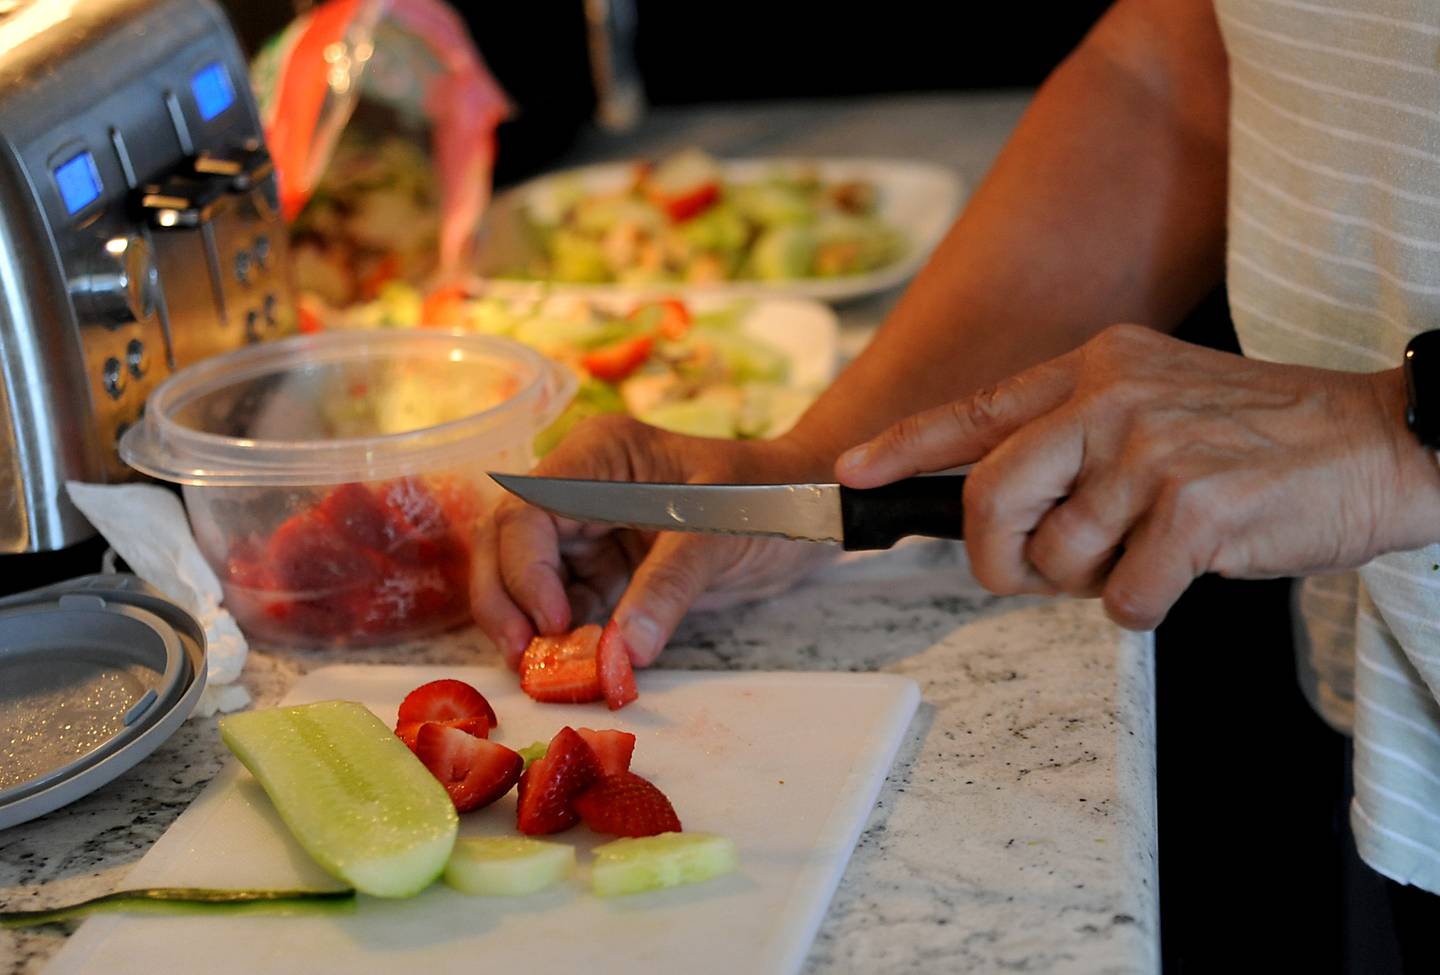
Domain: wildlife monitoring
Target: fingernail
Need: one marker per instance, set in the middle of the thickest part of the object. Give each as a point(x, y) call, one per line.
point(642, 637)
point(855, 456)
point(517, 638)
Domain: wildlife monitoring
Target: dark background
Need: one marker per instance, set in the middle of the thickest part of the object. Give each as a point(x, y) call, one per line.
point(1250, 781)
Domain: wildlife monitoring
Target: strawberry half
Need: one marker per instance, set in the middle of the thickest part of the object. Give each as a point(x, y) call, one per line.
point(444, 700)
point(549, 786)
point(627, 805)
point(612, 662)
point(475, 771)
point(479, 726)
point(562, 669)
point(612, 748)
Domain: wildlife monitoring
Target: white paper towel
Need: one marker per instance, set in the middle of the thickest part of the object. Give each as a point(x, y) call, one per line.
point(147, 526)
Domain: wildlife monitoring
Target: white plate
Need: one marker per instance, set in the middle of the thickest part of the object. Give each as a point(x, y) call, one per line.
point(920, 200)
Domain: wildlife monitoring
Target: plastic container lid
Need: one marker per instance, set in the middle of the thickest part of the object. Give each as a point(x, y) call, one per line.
point(337, 407)
point(94, 674)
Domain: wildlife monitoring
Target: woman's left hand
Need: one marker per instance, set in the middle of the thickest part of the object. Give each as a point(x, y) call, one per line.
point(1134, 464)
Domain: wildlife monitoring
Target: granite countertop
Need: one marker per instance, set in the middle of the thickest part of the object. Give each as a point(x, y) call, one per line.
point(1016, 830)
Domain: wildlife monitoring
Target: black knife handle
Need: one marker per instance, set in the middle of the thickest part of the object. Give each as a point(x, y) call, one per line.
point(876, 518)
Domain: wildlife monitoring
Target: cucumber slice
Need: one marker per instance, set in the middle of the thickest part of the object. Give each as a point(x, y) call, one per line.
point(353, 795)
point(188, 900)
point(629, 866)
point(507, 865)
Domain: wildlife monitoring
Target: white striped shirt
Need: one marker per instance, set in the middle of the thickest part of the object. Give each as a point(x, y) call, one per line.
point(1333, 260)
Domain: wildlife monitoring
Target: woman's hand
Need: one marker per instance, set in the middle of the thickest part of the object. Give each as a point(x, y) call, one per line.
point(1136, 463)
point(535, 572)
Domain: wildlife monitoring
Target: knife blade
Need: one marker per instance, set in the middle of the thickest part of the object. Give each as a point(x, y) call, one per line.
point(869, 519)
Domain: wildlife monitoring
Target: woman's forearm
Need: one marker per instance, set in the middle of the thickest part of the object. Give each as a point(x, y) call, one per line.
point(1106, 205)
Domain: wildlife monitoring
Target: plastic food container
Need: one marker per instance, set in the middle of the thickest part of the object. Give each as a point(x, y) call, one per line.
point(333, 481)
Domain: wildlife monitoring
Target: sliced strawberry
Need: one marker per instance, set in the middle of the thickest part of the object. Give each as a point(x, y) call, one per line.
point(444, 307)
point(550, 785)
point(417, 529)
point(614, 362)
point(473, 770)
point(612, 748)
point(356, 514)
point(562, 669)
point(307, 555)
point(409, 731)
point(612, 662)
point(668, 316)
point(411, 596)
point(444, 700)
point(627, 805)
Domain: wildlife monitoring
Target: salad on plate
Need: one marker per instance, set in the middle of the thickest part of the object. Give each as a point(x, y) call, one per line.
point(689, 220)
point(705, 369)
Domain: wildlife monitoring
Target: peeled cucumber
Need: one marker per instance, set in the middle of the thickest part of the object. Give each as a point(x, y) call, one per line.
point(628, 866)
point(354, 796)
point(508, 865)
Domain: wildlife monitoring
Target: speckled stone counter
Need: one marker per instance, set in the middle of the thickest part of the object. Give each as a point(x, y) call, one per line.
point(1016, 830)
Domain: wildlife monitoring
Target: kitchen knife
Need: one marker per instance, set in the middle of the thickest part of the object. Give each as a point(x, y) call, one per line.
point(874, 518)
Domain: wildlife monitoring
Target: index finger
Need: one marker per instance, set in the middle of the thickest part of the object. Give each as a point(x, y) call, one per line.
point(961, 431)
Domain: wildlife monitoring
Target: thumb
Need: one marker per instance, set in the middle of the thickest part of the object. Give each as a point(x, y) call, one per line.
point(676, 571)
point(961, 431)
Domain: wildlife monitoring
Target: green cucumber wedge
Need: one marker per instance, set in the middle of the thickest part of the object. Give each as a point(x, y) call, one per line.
point(353, 795)
point(188, 900)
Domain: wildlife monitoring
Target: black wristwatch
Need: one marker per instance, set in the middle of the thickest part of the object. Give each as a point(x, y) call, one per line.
point(1422, 387)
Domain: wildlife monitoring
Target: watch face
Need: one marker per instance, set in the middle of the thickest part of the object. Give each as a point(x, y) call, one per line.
point(1422, 386)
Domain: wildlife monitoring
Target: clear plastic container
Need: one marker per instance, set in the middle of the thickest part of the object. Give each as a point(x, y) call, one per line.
point(333, 481)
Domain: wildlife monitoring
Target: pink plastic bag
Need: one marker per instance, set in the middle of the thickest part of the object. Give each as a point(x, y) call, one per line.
point(353, 87)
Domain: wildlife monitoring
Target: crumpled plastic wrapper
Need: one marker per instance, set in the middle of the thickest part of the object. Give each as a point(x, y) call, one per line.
point(147, 527)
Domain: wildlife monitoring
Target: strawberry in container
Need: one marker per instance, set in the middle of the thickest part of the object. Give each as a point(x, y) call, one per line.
point(334, 480)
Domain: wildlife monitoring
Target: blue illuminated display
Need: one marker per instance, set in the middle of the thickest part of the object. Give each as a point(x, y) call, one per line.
point(78, 181)
point(213, 91)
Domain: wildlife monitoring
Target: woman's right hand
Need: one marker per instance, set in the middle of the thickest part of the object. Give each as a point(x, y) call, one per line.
point(538, 573)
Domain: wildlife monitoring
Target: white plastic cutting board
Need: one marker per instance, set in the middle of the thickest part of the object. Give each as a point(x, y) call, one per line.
point(786, 764)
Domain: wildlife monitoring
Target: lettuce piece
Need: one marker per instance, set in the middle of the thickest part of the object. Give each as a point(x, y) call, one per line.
point(593, 398)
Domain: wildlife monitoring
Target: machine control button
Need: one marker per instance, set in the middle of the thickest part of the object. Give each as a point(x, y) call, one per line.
point(121, 286)
point(242, 266)
point(113, 376)
point(136, 359)
point(272, 310)
point(262, 252)
point(252, 326)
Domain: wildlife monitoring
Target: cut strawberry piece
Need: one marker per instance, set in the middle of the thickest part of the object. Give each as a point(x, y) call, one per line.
point(412, 595)
point(612, 748)
point(473, 770)
point(307, 555)
point(408, 731)
point(612, 663)
point(627, 805)
point(445, 700)
point(691, 203)
point(668, 316)
point(356, 514)
point(562, 669)
point(444, 307)
point(549, 786)
point(614, 362)
point(417, 530)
